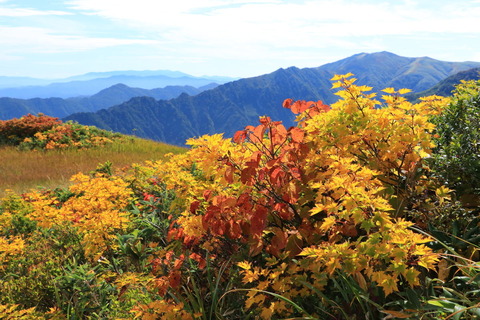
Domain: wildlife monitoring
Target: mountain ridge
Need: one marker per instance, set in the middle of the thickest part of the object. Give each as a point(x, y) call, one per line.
point(233, 105)
point(91, 83)
point(116, 94)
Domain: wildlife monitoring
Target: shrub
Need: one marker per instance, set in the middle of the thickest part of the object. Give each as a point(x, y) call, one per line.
point(44, 132)
point(456, 157)
point(15, 130)
point(68, 135)
point(296, 210)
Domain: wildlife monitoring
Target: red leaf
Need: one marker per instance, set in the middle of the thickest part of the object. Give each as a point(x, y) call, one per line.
point(284, 211)
point(276, 176)
point(279, 133)
point(287, 103)
point(258, 220)
point(247, 176)
point(235, 231)
point(243, 199)
point(240, 136)
point(174, 279)
point(194, 206)
point(300, 106)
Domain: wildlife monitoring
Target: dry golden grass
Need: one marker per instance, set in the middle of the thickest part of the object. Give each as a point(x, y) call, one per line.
point(21, 171)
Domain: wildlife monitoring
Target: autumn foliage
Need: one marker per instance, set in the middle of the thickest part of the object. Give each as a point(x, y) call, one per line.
point(43, 132)
point(15, 130)
point(310, 202)
point(311, 221)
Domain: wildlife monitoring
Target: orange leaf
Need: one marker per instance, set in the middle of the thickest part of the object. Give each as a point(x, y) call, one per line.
point(297, 134)
point(265, 120)
point(229, 174)
point(396, 314)
point(278, 242)
point(240, 136)
point(296, 173)
point(257, 134)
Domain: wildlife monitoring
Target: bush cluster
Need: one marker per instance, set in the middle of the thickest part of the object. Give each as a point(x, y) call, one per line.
point(43, 132)
point(14, 131)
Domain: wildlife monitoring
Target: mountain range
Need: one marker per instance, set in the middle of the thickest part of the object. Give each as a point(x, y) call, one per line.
point(233, 105)
point(91, 83)
point(116, 94)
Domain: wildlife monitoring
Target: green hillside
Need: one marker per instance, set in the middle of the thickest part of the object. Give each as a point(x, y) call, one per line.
point(445, 87)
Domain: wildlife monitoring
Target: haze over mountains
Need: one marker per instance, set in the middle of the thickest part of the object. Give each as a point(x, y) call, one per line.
point(176, 113)
point(233, 105)
point(91, 83)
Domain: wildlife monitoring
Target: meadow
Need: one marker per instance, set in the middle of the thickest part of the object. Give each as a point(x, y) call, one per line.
point(22, 170)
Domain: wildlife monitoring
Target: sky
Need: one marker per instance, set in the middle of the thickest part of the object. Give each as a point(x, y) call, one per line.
point(237, 38)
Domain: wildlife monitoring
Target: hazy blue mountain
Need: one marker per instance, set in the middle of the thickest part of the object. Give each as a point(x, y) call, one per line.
point(90, 87)
point(231, 106)
point(145, 73)
point(15, 108)
point(116, 94)
point(10, 82)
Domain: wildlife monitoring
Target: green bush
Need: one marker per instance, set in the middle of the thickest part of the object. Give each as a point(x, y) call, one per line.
point(456, 158)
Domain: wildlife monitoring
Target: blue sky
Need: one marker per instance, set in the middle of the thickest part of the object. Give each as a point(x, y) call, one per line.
point(240, 38)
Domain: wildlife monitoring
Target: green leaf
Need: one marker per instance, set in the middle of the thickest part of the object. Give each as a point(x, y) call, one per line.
point(442, 304)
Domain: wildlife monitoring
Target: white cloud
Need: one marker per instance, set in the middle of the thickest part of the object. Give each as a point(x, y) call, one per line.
point(28, 12)
point(230, 25)
point(344, 17)
point(21, 40)
point(235, 33)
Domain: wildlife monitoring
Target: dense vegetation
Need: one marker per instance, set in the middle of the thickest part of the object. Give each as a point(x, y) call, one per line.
point(350, 214)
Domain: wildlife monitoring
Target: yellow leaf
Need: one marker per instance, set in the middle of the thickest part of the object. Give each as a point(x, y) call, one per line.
point(328, 223)
point(403, 91)
point(389, 90)
point(244, 265)
point(341, 76)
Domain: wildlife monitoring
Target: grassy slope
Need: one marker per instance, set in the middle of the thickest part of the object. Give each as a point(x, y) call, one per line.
point(21, 171)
